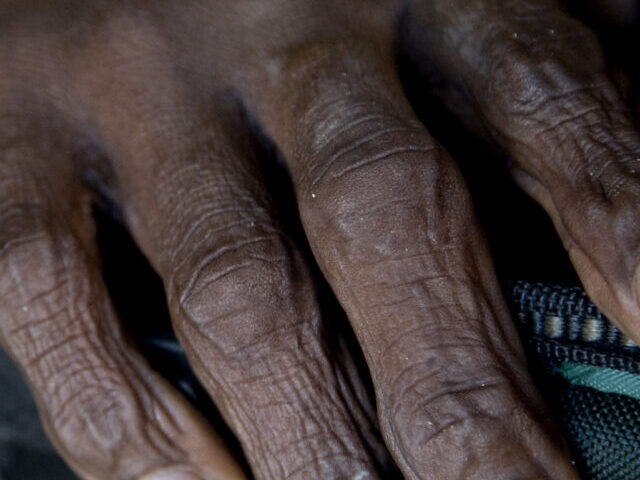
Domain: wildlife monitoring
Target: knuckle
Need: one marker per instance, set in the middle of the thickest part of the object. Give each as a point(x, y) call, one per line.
point(348, 113)
point(353, 138)
point(90, 412)
point(582, 117)
point(427, 411)
point(215, 209)
point(243, 295)
point(238, 266)
point(393, 209)
point(523, 85)
point(529, 69)
point(356, 144)
point(372, 157)
point(103, 426)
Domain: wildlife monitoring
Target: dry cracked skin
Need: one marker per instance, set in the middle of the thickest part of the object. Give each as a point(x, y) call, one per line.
point(168, 105)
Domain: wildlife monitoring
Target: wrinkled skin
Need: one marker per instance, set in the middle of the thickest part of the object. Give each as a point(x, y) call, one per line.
point(163, 107)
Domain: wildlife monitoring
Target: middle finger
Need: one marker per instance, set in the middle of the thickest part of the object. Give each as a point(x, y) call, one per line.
point(391, 224)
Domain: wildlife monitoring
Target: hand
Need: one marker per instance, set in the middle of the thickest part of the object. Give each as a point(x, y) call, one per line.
point(166, 108)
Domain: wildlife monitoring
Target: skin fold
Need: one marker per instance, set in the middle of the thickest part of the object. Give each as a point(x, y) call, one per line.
point(167, 108)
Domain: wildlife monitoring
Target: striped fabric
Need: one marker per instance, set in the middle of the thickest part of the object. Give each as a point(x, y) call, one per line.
point(589, 373)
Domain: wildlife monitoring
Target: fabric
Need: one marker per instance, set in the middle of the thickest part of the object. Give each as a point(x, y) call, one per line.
point(605, 380)
point(589, 373)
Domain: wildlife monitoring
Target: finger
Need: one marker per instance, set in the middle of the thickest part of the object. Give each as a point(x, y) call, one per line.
point(106, 412)
point(537, 79)
point(391, 225)
point(240, 293)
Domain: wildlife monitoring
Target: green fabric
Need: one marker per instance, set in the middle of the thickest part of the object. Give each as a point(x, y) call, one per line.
point(603, 430)
point(605, 380)
point(589, 374)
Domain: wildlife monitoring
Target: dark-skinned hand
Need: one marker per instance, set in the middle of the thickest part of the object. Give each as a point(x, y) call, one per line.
point(164, 107)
